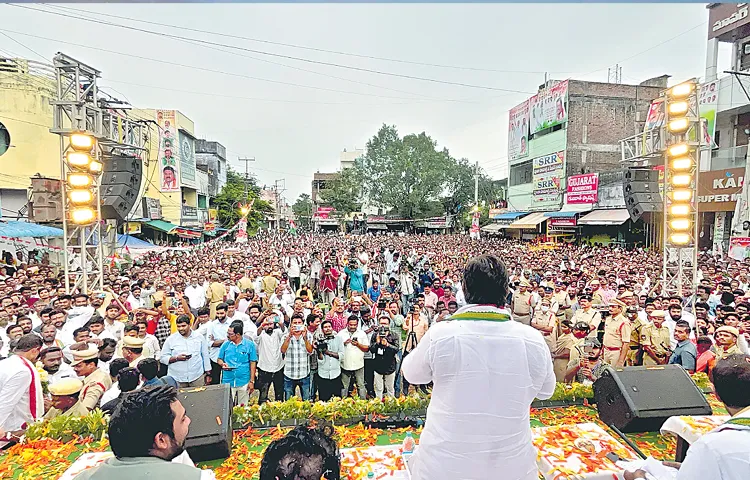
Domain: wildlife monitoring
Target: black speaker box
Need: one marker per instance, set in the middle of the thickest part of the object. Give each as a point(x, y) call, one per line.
point(121, 183)
point(210, 412)
point(641, 175)
point(117, 200)
point(640, 399)
point(640, 187)
point(132, 180)
point(121, 163)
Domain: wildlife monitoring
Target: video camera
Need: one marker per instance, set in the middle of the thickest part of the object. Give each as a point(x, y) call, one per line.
point(321, 346)
point(383, 331)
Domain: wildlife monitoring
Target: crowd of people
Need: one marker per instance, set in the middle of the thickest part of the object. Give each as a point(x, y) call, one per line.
point(335, 315)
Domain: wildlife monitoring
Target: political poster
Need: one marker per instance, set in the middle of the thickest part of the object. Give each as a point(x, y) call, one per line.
point(583, 189)
point(708, 99)
point(548, 107)
point(518, 131)
point(548, 173)
point(168, 151)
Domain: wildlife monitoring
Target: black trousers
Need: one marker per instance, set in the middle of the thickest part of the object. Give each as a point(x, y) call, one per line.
point(328, 389)
point(215, 373)
point(370, 377)
point(294, 283)
point(265, 379)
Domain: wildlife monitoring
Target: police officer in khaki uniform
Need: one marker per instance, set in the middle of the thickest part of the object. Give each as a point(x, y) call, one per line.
point(617, 332)
point(95, 381)
point(65, 399)
point(655, 340)
point(563, 302)
point(521, 305)
point(635, 350)
point(587, 314)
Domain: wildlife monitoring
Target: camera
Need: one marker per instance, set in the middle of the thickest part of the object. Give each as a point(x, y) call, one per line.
point(383, 331)
point(381, 304)
point(321, 346)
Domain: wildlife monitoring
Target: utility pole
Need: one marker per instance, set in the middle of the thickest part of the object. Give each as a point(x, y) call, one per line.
point(247, 172)
point(278, 193)
point(476, 184)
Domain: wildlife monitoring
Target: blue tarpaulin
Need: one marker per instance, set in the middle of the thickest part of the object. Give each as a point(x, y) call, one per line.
point(14, 229)
point(560, 214)
point(509, 215)
point(132, 242)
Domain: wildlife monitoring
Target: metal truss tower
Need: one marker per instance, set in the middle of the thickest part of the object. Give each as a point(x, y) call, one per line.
point(79, 110)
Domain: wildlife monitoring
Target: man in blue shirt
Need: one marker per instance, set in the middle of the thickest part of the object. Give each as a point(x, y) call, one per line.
point(685, 353)
point(238, 358)
point(374, 291)
point(356, 277)
point(186, 355)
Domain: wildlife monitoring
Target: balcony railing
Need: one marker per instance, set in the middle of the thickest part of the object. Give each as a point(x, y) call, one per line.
point(723, 158)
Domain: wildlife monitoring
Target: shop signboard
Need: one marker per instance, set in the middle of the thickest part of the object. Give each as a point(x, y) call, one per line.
point(495, 213)
point(583, 189)
point(518, 131)
point(151, 208)
point(562, 222)
point(718, 190)
point(548, 108)
point(187, 160)
point(133, 227)
point(726, 17)
point(548, 172)
point(707, 102)
point(739, 248)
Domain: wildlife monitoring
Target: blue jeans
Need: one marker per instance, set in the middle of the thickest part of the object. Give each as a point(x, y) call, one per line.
point(291, 385)
point(406, 305)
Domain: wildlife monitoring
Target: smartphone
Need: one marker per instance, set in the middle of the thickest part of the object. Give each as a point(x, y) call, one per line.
point(299, 328)
point(189, 355)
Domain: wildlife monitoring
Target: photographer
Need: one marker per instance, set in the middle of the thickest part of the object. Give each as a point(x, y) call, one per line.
point(270, 336)
point(330, 353)
point(384, 345)
point(329, 278)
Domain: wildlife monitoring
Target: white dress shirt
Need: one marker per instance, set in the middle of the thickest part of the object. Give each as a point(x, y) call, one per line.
point(196, 296)
point(194, 345)
point(216, 331)
point(485, 374)
point(64, 372)
point(270, 358)
point(354, 358)
point(721, 454)
point(152, 345)
point(116, 329)
point(112, 393)
point(15, 391)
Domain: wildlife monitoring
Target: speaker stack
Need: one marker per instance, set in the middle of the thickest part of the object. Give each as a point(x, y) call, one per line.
point(642, 192)
point(121, 183)
point(210, 412)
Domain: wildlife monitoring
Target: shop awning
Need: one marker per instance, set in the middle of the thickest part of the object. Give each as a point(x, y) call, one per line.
point(493, 228)
point(510, 215)
point(605, 217)
point(377, 226)
point(161, 225)
point(14, 229)
point(530, 221)
point(124, 240)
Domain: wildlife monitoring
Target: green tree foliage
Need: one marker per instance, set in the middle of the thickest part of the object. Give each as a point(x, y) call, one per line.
point(344, 192)
point(409, 176)
point(459, 192)
point(302, 209)
point(233, 193)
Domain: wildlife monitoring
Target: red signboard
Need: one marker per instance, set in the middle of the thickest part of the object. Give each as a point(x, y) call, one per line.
point(583, 189)
point(563, 222)
point(323, 212)
point(186, 233)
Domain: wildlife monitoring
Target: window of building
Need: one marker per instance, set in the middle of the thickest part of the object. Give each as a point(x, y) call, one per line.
point(4, 139)
point(520, 174)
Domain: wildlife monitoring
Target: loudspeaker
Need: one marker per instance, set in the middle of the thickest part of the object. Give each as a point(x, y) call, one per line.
point(640, 187)
point(46, 201)
point(640, 399)
point(210, 412)
point(641, 190)
point(121, 183)
point(641, 175)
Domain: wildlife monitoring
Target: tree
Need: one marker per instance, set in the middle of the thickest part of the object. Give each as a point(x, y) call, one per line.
point(302, 209)
point(344, 192)
point(405, 174)
point(233, 193)
point(459, 192)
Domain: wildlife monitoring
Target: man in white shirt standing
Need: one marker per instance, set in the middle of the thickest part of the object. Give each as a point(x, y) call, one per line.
point(356, 343)
point(217, 335)
point(269, 337)
point(196, 295)
point(478, 421)
point(21, 400)
point(248, 326)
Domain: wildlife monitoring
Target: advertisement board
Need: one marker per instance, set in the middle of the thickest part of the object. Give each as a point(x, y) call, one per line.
point(726, 17)
point(518, 131)
point(655, 116)
point(718, 190)
point(562, 222)
point(168, 151)
point(187, 160)
point(708, 99)
point(583, 189)
point(548, 107)
point(739, 248)
point(495, 213)
point(151, 208)
point(548, 173)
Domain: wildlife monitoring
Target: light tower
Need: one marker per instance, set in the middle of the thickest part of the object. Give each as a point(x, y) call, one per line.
point(681, 161)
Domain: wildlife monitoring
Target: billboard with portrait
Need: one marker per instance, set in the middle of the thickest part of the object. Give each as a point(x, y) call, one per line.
point(168, 151)
point(518, 131)
point(548, 108)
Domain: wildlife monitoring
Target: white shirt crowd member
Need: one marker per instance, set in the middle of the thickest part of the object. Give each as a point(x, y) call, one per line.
point(21, 399)
point(477, 424)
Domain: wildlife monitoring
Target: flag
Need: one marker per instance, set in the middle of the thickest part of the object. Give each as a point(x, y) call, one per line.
point(292, 227)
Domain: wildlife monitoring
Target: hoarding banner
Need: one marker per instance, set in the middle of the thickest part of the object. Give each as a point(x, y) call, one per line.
point(583, 189)
point(739, 248)
point(241, 235)
point(495, 213)
point(549, 107)
point(518, 131)
point(548, 173)
point(187, 160)
point(562, 222)
point(707, 101)
point(719, 190)
point(655, 116)
point(168, 151)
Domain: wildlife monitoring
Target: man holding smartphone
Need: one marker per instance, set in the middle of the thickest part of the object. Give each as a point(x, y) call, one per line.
point(297, 348)
point(185, 354)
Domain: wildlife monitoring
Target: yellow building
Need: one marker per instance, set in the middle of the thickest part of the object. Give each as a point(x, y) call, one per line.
point(27, 148)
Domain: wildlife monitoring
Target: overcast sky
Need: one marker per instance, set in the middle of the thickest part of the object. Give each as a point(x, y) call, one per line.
point(293, 130)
